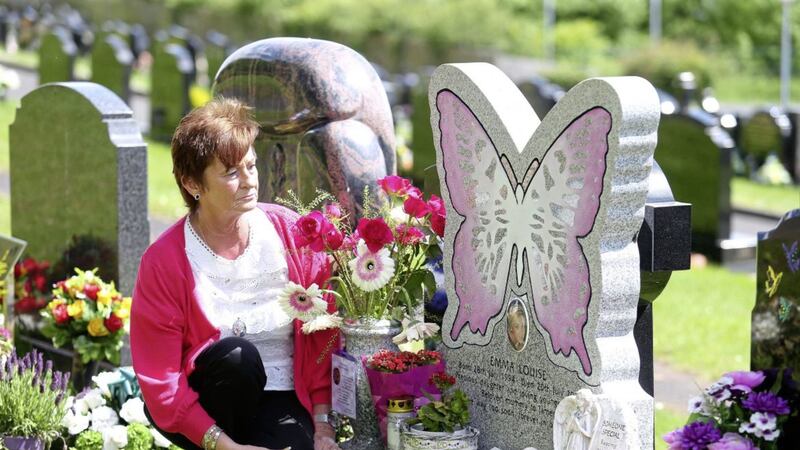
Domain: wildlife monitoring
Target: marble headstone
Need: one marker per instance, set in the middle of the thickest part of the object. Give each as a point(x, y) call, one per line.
point(542, 219)
point(775, 326)
point(79, 168)
point(10, 251)
point(325, 118)
point(57, 53)
point(112, 61)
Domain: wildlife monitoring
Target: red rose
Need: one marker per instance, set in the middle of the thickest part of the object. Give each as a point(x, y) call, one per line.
point(91, 291)
point(375, 233)
point(113, 323)
point(407, 235)
point(307, 229)
point(40, 281)
point(437, 224)
point(29, 264)
point(416, 207)
point(394, 185)
point(436, 204)
point(332, 210)
point(60, 314)
point(333, 238)
point(25, 305)
point(17, 270)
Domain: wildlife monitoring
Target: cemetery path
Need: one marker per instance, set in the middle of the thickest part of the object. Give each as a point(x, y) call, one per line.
point(674, 388)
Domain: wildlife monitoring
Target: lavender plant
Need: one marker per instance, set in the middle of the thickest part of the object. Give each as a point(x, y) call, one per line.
point(32, 397)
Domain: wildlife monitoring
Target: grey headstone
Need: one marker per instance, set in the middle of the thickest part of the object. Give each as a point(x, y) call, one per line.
point(171, 78)
point(112, 62)
point(575, 213)
point(57, 53)
point(139, 40)
point(775, 332)
point(79, 169)
point(325, 119)
point(10, 251)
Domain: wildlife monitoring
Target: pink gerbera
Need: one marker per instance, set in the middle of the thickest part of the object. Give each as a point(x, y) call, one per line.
point(302, 303)
point(371, 271)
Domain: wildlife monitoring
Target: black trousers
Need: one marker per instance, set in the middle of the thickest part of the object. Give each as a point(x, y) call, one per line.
point(229, 379)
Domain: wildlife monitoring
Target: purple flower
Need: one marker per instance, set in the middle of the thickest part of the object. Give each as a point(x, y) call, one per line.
point(766, 402)
point(698, 435)
point(5, 334)
point(746, 381)
point(673, 439)
point(733, 441)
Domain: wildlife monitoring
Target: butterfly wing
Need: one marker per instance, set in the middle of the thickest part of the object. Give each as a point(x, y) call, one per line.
point(481, 249)
point(563, 200)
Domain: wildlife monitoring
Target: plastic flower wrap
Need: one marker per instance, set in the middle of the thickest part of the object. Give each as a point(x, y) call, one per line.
point(88, 313)
point(742, 410)
point(380, 264)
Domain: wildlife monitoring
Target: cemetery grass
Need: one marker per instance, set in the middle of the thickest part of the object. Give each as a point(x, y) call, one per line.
point(777, 200)
point(666, 421)
point(701, 322)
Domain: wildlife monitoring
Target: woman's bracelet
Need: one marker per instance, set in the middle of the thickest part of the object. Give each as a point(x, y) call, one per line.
point(211, 437)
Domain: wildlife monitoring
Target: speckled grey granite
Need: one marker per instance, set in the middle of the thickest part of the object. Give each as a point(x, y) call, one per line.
point(579, 289)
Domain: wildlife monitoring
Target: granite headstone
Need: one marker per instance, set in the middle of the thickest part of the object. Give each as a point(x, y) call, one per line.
point(79, 169)
point(112, 62)
point(57, 53)
point(543, 215)
point(775, 326)
point(325, 119)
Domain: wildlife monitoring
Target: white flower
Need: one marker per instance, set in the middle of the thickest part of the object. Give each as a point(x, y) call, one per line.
point(763, 421)
point(75, 423)
point(133, 411)
point(302, 303)
point(115, 437)
point(397, 215)
point(415, 331)
point(768, 435)
point(748, 427)
point(103, 417)
point(93, 398)
point(697, 404)
point(159, 439)
point(103, 379)
point(322, 322)
point(371, 271)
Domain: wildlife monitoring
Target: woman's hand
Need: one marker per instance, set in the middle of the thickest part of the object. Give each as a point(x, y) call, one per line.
point(325, 437)
point(226, 443)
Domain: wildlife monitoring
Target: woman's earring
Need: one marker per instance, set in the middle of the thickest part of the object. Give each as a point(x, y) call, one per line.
point(197, 196)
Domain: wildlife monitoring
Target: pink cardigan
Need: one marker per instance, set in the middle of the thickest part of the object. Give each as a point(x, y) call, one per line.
point(169, 330)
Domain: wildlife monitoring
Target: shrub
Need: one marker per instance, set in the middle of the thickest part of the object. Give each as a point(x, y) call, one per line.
point(661, 65)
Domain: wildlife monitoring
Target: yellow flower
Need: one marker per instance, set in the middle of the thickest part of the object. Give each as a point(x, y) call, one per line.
point(124, 310)
point(55, 302)
point(76, 309)
point(96, 327)
point(105, 296)
point(75, 285)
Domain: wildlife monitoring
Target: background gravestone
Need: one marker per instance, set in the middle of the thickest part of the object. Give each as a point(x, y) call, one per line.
point(171, 77)
point(763, 133)
point(695, 155)
point(217, 49)
point(548, 217)
point(324, 116)
point(10, 251)
point(57, 53)
point(111, 65)
point(78, 167)
point(422, 147)
point(775, 333)
point(541, 94)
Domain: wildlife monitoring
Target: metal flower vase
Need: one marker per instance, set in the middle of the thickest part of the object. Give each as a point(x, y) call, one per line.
point(362, 339)
point(412, 437)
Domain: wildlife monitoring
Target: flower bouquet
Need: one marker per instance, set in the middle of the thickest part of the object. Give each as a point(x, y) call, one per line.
point(88, 313)
point(742, 410)
point(380, 265)
point(400, 374)
point(30, 285)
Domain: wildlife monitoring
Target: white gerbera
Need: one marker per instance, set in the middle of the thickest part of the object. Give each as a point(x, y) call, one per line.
point(322, 322)
point(302, 303)
point(371, 271)
point(414, 331)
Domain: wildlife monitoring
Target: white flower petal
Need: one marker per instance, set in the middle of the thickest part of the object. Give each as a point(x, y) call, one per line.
point(133, 412)
point(322, 322)
point(115, 437)
point(159, 440)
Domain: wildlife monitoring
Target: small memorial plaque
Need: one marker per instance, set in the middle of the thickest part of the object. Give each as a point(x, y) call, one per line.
point(10, 251)
point(585, 421)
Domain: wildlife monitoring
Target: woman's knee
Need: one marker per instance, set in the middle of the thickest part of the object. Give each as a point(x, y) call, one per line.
point(232, 359)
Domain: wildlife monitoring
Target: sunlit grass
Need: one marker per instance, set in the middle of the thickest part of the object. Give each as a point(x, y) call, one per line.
point(666, 421)
point(772, 199)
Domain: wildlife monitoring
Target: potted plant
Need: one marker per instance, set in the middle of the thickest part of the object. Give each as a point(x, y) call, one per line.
point(32, 402)
point(442, 423)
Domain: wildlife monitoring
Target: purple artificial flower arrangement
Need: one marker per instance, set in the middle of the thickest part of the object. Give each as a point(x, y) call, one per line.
point(741, 411)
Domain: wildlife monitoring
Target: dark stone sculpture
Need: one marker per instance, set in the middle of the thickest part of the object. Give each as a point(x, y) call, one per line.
point(325, 118)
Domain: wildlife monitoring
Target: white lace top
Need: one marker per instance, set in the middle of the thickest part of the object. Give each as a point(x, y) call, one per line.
point(246, 290)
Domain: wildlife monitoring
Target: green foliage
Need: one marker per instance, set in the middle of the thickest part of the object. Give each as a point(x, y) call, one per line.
point(448, 414)
point(89, 440)
point(662, 64)
point(139, 437)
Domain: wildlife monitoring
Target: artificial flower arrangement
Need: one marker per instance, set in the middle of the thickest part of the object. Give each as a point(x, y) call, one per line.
point(30, 285)
point(400, 374)
point(110, 416)
point(380, 266)
point(32, 398)
point(741, 411)
point(88, 313)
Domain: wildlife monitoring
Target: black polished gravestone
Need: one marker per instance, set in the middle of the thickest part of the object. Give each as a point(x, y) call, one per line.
point(695, 154)
point(57, 53)
point(775, 332)
point(324, 116)
point(78, 169)
point(763, 133)
point(171, 77)
point(112, 62)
